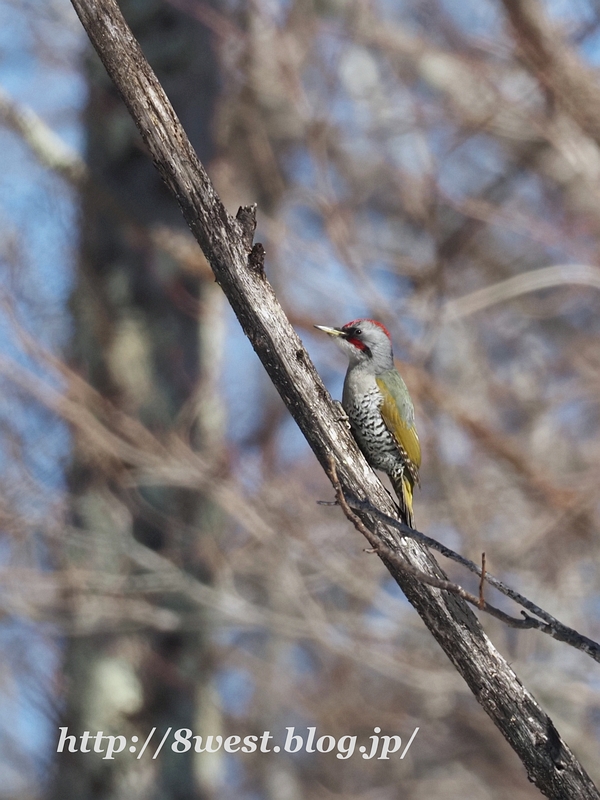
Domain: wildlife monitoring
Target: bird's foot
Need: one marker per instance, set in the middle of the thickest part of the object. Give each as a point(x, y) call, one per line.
point(342, 416)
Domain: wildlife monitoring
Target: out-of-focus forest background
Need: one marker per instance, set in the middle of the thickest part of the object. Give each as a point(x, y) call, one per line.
point(434, 165)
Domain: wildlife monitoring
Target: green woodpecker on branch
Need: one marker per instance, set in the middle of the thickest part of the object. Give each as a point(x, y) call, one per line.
point(378, 405)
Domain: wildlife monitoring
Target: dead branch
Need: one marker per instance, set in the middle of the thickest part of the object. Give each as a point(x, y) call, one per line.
point(547, 623)
point(386, 553)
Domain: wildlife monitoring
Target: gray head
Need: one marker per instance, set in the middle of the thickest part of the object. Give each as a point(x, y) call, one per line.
point(366, 342)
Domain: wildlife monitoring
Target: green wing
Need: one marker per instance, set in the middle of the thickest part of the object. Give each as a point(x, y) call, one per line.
point(399, 416)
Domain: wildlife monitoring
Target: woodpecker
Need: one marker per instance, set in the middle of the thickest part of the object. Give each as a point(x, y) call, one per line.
point(378, 405)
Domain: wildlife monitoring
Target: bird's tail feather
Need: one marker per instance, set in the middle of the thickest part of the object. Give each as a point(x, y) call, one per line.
point(404, 490)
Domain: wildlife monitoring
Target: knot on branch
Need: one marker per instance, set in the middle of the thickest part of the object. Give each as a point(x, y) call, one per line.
point(246, 216)
point(256, 259)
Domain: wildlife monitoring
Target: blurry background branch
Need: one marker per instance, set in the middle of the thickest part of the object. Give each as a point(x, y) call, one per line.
point(44, 142)
point(559, 70)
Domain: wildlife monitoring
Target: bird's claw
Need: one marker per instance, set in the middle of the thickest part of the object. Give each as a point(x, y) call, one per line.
point(343, 417)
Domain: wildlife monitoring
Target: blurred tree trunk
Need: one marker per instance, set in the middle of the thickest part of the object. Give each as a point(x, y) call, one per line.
point(137, 339)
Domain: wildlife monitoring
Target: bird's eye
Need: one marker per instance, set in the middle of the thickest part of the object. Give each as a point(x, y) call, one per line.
point(357, 331)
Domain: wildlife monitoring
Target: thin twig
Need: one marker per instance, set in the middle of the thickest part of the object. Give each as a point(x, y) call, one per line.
point(482, 581)
point(386, 553)
point(546, 622)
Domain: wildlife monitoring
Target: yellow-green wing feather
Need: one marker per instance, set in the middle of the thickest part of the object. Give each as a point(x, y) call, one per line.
point(398, 414)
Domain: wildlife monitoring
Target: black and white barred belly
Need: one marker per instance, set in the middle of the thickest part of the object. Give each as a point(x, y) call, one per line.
point(378, 445)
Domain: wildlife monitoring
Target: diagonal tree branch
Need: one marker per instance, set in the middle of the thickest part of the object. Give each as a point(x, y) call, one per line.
point(225, 242)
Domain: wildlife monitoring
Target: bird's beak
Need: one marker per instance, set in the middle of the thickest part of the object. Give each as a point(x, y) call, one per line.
point(331, 331)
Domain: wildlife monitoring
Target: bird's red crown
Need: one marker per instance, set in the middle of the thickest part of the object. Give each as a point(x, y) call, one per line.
point(374, 321)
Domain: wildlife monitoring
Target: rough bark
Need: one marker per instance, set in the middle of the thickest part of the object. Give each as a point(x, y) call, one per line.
point(549, 762)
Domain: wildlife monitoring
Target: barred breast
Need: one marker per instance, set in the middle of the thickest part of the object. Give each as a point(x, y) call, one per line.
point(362, 403)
